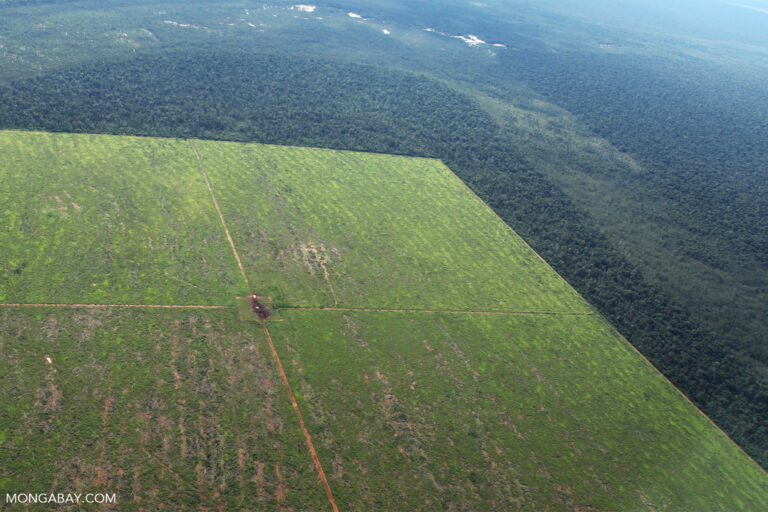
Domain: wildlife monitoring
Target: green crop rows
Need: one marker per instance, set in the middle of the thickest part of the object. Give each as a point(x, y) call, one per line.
point(159, 407)
point(108, 219)
point(437, 411)
point(500, 389)
point(324, 228)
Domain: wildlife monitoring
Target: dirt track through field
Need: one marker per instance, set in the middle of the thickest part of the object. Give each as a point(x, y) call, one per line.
point(221, 217)
point(311, 446)
point(138, 306)
point(295, 404)
point(455, 311)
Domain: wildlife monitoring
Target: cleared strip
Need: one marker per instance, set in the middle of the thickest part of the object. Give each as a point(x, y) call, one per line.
point(311, 446)
point(162, 306)
point(301, 419)
point(456, 311)
point(221, 216)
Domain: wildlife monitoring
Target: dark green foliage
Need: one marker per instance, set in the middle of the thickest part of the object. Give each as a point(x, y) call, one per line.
point(705, 144)
point(317, 103)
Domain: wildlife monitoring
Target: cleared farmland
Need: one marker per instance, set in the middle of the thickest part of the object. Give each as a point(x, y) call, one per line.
point(162, 407)
point(539, 404)
point(329, 228)
point(94, 219)
point(484, 412)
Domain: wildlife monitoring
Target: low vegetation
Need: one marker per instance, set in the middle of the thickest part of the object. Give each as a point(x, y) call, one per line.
point(335, 228)
point(514, 394)
point(78, 228)
point(181, 408)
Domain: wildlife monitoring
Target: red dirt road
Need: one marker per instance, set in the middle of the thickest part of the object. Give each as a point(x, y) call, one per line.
point(458, 311)
point(301, 419)
point(155, 306)
point(221, 216)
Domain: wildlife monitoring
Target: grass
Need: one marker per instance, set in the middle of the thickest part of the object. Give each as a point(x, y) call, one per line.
point(318, 227)
point(198, 416)
point(100, 219)
point(429, 411)
point(542, 407)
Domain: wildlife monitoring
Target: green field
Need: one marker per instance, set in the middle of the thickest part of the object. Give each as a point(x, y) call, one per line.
point(482, 412)
point(165, 408)
point(338, 228)
point(498, 389)
point(121, 220)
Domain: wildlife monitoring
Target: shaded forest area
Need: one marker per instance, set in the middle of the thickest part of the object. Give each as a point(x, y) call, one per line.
point(240, 97)
point(705, 142)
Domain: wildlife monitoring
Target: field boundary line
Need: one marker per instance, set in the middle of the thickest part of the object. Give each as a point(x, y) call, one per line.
point(687, 399)
point(295, 405)
point(517, 235)
point(135, 306)
point(738, 447)
point(221, 217)
point(455, 311)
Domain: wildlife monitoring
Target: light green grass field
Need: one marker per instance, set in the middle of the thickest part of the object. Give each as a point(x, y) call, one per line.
point(90, 218)
point(320, 227)
point(422, 411)
point(538, 406)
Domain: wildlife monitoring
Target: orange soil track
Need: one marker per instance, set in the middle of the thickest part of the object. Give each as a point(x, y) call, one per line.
point(308, 438)
point(153, 306)
point(456, 311)
point(101, 477)
point(311, 446)
point(221, 216)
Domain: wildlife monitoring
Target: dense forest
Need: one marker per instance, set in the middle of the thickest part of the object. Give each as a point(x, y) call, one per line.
point(699, 134)
point(302, 101)
point(714, 138)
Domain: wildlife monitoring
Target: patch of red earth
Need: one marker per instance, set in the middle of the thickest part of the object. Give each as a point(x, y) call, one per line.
point(182, 433)
point(280, 494)
point(338, 468)
point(258, 479)
point(242, 457)
point(135, 486)
point(139, 306)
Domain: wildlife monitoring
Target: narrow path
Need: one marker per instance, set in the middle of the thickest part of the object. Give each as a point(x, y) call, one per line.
point(308, 438)
point(221, 216)
point(457, 311)
point(301, 419)
point(164, 306)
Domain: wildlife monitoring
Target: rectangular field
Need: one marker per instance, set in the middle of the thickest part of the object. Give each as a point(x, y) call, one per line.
point(102, 219)
point(499, 389)
point(318, 227)
point(161, 407)
point(422, 411)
